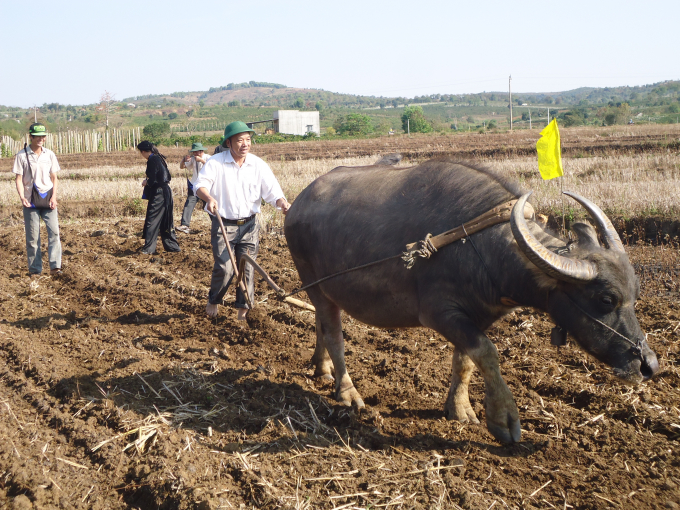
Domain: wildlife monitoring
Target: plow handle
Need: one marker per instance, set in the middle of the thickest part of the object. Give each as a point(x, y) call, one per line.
point(279, 291)
point(237, 273)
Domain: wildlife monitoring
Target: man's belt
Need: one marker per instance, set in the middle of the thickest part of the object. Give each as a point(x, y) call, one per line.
point(242, 221)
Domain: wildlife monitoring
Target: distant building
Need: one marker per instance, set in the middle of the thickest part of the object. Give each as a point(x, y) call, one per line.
point(292, 122)
point(295, 122)
point(131, 105)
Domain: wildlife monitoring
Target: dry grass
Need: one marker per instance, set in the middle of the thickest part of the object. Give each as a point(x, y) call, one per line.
point(638, 185)
point(623, 185)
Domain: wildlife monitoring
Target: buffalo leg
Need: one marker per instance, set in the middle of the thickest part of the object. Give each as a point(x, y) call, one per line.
point(331, 345)
point(457, 405)
point(323, 366)
point(502, 416)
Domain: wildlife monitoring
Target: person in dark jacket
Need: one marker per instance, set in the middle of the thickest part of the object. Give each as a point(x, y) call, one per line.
point(159, 209)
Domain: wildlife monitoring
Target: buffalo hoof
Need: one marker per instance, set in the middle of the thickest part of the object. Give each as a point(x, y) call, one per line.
point(509, 432)
point(350, 396)
point(460, 412)
point(326, 379)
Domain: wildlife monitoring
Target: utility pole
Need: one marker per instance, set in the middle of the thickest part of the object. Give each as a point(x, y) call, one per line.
point(529, 118)
point(548, 115)
point(408, 126)
point(35, 114)
point(510, 99)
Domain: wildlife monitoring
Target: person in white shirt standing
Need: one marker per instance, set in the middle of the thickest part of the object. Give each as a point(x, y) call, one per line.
point(233, 183)
point(193, 161)
point(36, 182)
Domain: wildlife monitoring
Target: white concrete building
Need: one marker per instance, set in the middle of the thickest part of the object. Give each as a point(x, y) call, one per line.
point(295, 122)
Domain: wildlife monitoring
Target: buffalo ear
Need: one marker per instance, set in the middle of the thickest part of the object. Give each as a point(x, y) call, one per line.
point(586, 234)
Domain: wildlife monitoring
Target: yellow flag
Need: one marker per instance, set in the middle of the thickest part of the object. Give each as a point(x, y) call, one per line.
point(549, 152)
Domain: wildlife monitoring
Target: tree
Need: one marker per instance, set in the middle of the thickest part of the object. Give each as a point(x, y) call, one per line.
point(156, 130)
point(573, 118)
point(355, 124)
point(413, 120)
point(172, 116)
point(617, 115)
point(106, 104)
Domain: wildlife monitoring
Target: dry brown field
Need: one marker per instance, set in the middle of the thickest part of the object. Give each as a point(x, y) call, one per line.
point(117, 392)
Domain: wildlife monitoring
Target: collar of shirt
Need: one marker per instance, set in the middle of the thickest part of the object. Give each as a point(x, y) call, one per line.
point(31, 151)
point(230, 159)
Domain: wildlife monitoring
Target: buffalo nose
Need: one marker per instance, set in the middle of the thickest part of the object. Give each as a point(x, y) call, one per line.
point(650, 365)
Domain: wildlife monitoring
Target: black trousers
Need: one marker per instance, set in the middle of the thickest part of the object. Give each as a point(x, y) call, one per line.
point(159, 220)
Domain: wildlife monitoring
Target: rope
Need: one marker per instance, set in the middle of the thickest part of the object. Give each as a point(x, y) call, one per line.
point(425, 251)
point(426, 247)
point(297, 291)
point(637, 346)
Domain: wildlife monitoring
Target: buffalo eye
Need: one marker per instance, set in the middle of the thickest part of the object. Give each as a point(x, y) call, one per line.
point(607, 300)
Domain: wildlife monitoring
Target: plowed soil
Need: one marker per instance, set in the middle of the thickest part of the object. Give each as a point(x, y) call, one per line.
point(116, 391)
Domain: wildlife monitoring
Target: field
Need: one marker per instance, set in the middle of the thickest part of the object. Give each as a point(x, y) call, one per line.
point(117, 392)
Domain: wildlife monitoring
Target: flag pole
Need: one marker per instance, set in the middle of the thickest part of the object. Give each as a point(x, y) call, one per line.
point(564, 227)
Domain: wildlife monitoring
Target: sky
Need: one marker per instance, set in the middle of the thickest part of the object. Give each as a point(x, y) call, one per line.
point(70, 52)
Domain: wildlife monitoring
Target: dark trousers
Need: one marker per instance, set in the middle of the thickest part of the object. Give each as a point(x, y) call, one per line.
point(159, 220)
point(243, 239)
point(189, 206)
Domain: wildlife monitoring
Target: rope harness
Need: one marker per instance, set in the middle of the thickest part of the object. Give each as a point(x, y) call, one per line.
point(430, 244)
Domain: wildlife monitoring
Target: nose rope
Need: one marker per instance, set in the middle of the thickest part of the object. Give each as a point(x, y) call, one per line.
point(637, 346)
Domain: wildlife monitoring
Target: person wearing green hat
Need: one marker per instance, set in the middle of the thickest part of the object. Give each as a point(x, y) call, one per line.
point(36, 181)
point(233, 184)
point(193, 161)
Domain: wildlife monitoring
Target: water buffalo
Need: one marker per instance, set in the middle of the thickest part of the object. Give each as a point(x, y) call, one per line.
point(352, 216)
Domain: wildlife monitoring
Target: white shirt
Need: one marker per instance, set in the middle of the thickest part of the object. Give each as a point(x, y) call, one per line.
point(238, 190)
point(195, 167)
point(41, 168)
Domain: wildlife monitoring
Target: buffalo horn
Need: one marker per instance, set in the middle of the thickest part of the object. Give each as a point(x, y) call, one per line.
point(609, 235)
point(557, 266)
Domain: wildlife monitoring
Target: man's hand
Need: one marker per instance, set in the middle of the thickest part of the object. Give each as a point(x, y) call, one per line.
point(53, 201)
point(25, 202)
point(283, 205)
point(144, 182)
point(200, 158)
point(212, 205)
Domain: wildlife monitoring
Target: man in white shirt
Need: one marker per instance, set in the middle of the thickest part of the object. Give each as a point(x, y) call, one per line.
point(233, 183)
point(36, 182)
point(193, 161)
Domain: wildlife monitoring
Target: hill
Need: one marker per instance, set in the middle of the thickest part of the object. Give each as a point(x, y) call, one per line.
point(208, 111)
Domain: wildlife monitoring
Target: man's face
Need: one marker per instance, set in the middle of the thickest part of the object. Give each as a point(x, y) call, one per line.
point(37, 140)
point(198, 153)
point(240, 144)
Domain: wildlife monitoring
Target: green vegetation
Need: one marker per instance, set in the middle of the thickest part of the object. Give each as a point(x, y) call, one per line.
point(413, 120)
point(156, 130)
point(247, 85)
point(354, 124)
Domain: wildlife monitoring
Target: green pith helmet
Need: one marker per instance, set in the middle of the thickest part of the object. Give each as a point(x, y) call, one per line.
point(235, 128)
point(37, 129)
point(198, 146)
